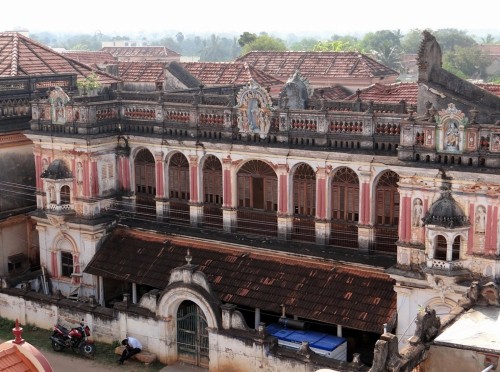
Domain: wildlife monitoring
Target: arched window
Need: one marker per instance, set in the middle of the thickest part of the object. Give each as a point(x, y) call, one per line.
point(304, 191)
point(441, 248)
point(257, 186)
point(145, 181)
point(212, 181)
point(65, 195)
point(178, 177)
point(345, 195)
point(387, 199)
point(66, 264)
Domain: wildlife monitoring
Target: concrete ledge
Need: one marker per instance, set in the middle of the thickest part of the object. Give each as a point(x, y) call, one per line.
point(144, 356)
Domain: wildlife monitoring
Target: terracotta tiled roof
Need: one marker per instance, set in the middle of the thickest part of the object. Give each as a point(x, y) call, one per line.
point(20, 356)
point(317, 64)
point(144, 51)
point(141, 71)
point(229, 73)
point(22, 56)
point(90, 57)
point(183, 75)
point(490, 49)
point(336, 92)
point(391, 93)
point(492, 88)
point(313, 289)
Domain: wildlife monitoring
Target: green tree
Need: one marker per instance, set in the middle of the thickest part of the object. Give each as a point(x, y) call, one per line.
point(468, 63)
point(216, 49)
point(488, 39)
point(89, 83)
point(246, 38)
point(450, 38)
point(334, 46)
point(180, 37)
point(410, 43)
point(385, 46)
point(306, 44)
point(264, 42)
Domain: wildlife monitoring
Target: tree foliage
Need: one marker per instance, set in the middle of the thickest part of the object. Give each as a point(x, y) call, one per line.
point(246, 38)
point(264, 42)
point(306, 45)
point(385, 47)
point(334, 46)
point(467, 62)
point(450, 38)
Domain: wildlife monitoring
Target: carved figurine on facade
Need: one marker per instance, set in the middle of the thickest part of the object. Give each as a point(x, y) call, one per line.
point(451, 123)
point(295, 92)
point(58, 100)
point(254, 110)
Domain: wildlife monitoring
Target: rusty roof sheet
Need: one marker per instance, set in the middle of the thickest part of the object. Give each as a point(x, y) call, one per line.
point(90, 57)
point(229, 73)
point(390, 93)
point(141, 71)
point(317, 64)
point(22, 56)
point(142, 51)
point(354, 297)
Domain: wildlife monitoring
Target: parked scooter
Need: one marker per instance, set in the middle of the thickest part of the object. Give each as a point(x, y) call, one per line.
point(76, 339)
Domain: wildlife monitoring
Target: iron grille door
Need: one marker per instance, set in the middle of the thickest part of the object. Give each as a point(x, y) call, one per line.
point(192, 335)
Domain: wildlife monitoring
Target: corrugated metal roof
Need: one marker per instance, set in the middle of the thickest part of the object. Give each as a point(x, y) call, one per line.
point(314, 289)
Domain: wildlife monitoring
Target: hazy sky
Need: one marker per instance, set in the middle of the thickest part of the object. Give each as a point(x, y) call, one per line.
point(313, 17)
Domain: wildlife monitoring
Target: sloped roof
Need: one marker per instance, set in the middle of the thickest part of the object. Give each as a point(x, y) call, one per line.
point(393, 93)
point(229, 73)
point(359, 298)
point(19, 355)
point(183, 75)
point(141, 71)
point(22, 56)
point(141, 51)
point(90, 57)
point(492, 88)
point(336, 92)
point(317, 64)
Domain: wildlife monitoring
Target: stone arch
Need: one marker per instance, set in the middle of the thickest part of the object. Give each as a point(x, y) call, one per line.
point(168, 305)
point(442, 305)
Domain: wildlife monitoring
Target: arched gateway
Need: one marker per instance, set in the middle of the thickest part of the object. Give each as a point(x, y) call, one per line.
point(192, 312)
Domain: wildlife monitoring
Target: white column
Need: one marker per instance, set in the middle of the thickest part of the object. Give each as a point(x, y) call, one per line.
point(257, 318)
point(101, 291)
point(134, 293)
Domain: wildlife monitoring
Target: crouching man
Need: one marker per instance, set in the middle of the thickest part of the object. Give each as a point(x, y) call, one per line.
point(132, 347)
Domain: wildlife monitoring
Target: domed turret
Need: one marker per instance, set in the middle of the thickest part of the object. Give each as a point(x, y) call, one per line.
point(57, 170)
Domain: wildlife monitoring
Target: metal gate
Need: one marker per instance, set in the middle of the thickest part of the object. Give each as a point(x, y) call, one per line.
point(192, 335)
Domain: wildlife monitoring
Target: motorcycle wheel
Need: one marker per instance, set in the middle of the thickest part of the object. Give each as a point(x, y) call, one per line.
point(88, 350)
point(57, 347)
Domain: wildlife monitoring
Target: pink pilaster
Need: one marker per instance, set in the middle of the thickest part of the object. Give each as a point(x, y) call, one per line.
point(55, 270)
point(73, 166)
point(494, 231)
point(227, 197)
point(86, 179)
point(365, 203)
point(283, 195)
point(193, 178)
point(471, 229)
point(38, 172)
point(490, 233)
point(321, 198)
point(95, 179)
point(126, 167)
point(159, 178)
point(407, 221)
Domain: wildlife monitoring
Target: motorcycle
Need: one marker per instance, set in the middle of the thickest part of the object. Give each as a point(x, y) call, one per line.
point(76, 339)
